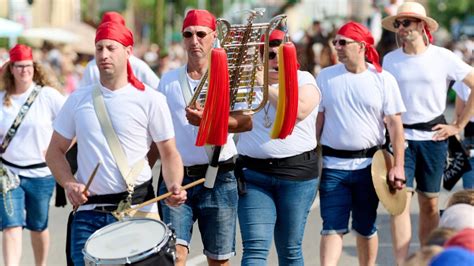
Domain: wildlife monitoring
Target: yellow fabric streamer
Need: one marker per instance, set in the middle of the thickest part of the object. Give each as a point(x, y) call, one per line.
point(280, 111)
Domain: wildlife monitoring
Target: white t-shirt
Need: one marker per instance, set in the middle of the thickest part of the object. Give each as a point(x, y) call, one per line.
point(138, 118)
point(354, 106)
point(141, 70)
point(31, 141)
point(463, 91)
point(186, 133)
point(422, 81)
point(257, 142)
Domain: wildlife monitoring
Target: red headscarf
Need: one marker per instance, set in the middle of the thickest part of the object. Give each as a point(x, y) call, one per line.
point(275, 35)
point(119, 33)
point(199, 17)
point(20, 52)
point(359, 33)
point(112, 16)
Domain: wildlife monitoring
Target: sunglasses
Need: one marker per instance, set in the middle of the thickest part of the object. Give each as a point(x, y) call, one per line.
point(405, 23)
point(199, 34)
point(272, 55)
point(341, 42)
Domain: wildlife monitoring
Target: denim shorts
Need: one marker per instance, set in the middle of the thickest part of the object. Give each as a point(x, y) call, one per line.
point(343, 191)
point(214, 209)
point(424, 163)
point(28, 204)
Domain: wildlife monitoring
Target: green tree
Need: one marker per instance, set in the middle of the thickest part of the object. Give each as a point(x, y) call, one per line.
point(444, 10)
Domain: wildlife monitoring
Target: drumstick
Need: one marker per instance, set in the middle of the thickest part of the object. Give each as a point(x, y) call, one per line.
point(164, 196)
point(89, 181)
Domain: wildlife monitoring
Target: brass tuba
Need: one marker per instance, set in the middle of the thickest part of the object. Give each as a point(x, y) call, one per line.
point(242, 43)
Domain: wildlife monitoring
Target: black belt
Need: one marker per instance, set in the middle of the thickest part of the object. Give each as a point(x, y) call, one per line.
point(275, 162)
point(141, 194)
point(427, 126)
point(365, 153)
point(31, 166)
point(200, 169)
point(106, 209)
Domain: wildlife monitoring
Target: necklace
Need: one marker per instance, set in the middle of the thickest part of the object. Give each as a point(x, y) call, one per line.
point(266, 119)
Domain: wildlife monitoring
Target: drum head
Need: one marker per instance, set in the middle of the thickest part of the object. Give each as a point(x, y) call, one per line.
point(125, 239)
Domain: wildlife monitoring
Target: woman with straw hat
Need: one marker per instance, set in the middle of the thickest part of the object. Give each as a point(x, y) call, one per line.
point(422, 70)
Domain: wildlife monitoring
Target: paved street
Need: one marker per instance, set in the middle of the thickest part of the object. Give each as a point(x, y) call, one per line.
point(58, 218)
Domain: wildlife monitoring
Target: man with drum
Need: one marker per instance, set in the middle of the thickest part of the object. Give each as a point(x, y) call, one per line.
point(422, 71)
point(215, 209)
point(357, 98)
point(137, 116)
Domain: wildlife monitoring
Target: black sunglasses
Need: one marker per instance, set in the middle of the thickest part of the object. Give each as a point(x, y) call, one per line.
point(405, 23)
point(199, 34)
point(341, 42)
point(272, 55)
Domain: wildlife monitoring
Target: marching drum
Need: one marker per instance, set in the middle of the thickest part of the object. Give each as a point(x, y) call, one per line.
point(137, 241)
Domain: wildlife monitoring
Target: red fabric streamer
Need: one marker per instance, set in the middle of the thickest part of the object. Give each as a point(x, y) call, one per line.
point(199, 17)
point(20, 52)
point(216, 110)
point(359, 33)
point(119, 33)
point(291, 89)
point(428, 33)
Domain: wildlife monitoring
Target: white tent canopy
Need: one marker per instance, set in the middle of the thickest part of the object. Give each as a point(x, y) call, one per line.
point(11, 30)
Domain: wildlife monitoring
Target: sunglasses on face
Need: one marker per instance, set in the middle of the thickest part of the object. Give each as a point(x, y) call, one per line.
point(405, 23)
point(341, 42)
point(199, 34)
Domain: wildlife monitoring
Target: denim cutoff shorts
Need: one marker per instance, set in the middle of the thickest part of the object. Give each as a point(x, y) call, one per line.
point(214, 209)
point(343, 191)
point(28, 204)
point(424, 163)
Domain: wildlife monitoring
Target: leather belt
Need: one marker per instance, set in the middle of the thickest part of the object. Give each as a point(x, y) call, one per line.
point(106, 209)
point(199, 170)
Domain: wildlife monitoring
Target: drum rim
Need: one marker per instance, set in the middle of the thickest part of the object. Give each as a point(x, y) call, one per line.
point(132, 259)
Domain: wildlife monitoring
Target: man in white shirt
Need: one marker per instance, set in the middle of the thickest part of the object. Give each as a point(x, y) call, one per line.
point(421, 70)
point(139, 115)
point(214, 209)
point(357, 98)
point(140, 69)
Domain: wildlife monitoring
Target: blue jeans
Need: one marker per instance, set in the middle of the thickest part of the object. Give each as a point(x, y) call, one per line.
point(274, 207)
point(468, 178)
point(424, 162)
point(342, 192)
point(28, 204)
point(84, 224)
point(215, 211)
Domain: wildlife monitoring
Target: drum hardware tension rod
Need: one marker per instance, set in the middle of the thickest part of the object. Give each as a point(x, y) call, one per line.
point(89, 181)
point(161, 197)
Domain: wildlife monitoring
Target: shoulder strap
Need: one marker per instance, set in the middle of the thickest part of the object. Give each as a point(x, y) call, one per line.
point(129, 175)
point(19, 118)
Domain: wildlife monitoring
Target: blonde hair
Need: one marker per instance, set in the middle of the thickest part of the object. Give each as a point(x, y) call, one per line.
point(439, 236)
point(463, 196)
point(40, 77)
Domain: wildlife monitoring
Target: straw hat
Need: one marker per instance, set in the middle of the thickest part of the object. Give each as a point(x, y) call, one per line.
point(393, 200)
point(410, 9)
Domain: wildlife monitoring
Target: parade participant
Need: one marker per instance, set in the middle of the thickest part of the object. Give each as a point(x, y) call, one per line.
point(280, 175)
point(462, 95)
point(28, 204)
point(422, 71)
point(358, 98)
point(140, 69)
point(215, 209)
point(139, 115)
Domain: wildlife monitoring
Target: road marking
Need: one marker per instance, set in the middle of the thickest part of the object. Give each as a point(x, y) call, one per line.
point(196, 260)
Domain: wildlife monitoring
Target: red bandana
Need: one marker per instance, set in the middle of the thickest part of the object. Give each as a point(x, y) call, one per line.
point(112, 17)
point(119, 33)
point(20, 52)
point(359, 33)
point(199, 17)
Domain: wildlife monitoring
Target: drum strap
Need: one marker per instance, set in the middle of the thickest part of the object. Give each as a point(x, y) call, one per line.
point(128, 174)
